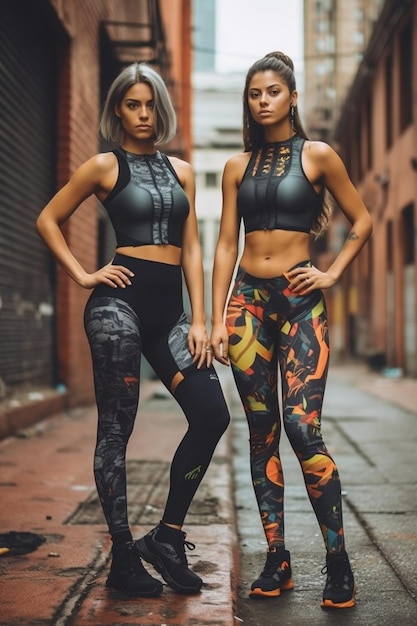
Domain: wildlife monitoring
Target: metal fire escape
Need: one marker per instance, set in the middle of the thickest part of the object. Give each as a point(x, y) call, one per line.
point(142, 41)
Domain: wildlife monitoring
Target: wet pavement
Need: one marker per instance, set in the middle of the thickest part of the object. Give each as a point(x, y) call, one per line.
point(47, 488)
point(370, 428)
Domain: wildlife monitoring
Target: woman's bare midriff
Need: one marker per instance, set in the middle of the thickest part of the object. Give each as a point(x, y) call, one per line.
point(161, 253)
point(270, 253)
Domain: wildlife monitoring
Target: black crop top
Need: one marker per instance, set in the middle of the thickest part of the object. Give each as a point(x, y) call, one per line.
point(275, 192)
point(147, 204)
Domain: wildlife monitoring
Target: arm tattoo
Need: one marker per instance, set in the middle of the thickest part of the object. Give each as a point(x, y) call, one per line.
point(352, 236)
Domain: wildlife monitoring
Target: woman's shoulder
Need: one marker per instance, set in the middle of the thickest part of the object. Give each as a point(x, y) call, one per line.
point(179, 164)
point(183, 170)
point(242, 158)
point(318, 149)
point(321, 153)
point(102, 162)
point(96, 170)
point(323, 157)
point(235, 168)
point(237, 164)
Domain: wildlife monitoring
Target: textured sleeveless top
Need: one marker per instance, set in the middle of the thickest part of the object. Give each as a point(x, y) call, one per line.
point(275, 192)
point(147, 204)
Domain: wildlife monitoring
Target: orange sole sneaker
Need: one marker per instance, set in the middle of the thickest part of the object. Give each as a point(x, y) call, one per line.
point(328, 604)
point(274, 593)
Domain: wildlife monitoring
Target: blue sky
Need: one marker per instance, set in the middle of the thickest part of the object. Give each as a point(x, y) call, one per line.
point(248, 29)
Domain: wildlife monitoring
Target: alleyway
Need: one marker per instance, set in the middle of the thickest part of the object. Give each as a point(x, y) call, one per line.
point(47, 488)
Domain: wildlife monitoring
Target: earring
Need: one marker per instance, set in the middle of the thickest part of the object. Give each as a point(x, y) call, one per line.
point(292, 116)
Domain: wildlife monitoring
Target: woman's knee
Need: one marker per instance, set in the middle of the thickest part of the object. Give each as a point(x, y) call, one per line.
point(213, 413)
point(217, 415)
point(305, 443)
point(201, 397)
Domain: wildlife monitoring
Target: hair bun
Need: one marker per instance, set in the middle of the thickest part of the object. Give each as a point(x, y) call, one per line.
point(280, 56)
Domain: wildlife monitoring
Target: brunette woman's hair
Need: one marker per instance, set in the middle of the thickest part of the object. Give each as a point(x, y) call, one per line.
point(253, 133)
point(165, 118)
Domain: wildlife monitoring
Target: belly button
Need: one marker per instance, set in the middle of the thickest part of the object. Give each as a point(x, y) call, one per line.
point(267, 258)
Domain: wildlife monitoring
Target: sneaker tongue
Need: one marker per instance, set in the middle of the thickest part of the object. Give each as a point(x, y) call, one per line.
point(337, 569)
point(272, 563)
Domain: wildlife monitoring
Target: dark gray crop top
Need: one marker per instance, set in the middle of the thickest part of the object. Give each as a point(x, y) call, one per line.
point(275, 192)
point(147, 204)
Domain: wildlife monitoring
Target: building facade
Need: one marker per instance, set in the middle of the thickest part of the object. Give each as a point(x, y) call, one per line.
point(204, 35)
point(335, 36)
point(217, 131)
point(377, 136)
point(58, 59)
point(217, 115)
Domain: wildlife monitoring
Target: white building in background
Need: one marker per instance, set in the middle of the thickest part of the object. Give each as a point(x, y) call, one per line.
point(217, 127)
point(217, 131)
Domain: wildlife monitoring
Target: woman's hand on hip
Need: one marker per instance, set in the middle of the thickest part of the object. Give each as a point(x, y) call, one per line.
point(111, 275)
point(306, 279)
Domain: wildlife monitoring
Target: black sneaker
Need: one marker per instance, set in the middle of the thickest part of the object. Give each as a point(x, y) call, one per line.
point(275, 576)
point(127, 573)
point(339, 591)
point(168, 558)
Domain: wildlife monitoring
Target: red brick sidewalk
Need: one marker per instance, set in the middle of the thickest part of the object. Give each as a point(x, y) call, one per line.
point(45, 478)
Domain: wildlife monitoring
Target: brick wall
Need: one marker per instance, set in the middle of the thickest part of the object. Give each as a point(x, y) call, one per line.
point(381, 148)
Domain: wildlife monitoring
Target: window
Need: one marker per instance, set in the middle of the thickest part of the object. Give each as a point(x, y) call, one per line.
point(201, 228)
point(358, 136)
point(369, 134)
point(359, 38)
point(388, 101)
point(406, 76)
point(408, 234)
point(389, 240)
point(211, 179)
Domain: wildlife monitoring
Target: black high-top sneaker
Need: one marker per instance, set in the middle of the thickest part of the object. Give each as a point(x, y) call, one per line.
point(275, 576)
point(339, 591)
point(164, 548)
point(127, 573)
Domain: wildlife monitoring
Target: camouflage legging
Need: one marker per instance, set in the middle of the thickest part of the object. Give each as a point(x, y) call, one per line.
point(121, 325)
point(268, 325)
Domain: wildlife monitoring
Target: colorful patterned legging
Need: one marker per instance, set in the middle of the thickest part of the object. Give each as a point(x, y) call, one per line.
point(268, 326)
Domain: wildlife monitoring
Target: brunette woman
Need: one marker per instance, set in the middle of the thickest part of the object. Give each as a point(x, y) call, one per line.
point(276, 314)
